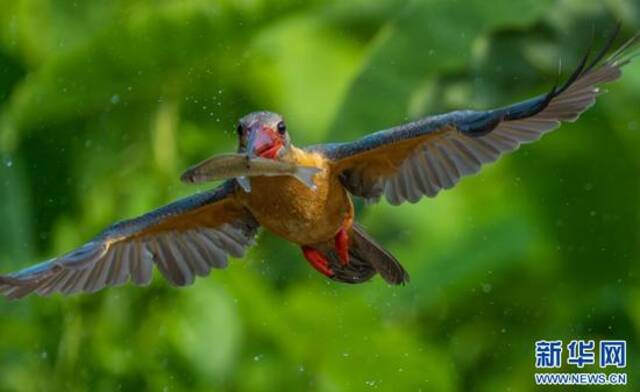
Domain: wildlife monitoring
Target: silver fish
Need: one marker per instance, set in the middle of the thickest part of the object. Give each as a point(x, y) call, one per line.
point(240, 166)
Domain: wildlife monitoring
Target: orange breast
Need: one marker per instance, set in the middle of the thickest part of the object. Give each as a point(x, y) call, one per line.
point(288, 208)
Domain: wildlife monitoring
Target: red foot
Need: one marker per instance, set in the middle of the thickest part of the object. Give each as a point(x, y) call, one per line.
point(342, 245)
point(317, 261)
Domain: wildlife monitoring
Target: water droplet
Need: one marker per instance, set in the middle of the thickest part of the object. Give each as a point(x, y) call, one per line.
point(8, 162)
point(257, 357)
point(44, 355)
point(486, 287)
point(115, 99)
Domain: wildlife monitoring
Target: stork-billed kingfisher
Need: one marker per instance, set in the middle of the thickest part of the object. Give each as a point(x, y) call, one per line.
point(189, 237)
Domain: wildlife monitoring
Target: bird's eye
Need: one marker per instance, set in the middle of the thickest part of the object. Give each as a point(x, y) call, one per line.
point(282, 128)
point(240, 129)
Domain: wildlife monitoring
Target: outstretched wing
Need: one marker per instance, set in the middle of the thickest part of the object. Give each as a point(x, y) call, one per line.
point(421, 158)
point(186, 238)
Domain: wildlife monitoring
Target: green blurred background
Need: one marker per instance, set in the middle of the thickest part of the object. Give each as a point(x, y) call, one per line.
point(103, 103)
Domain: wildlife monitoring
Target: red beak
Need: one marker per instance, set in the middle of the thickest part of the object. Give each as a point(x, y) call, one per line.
point(264, 142)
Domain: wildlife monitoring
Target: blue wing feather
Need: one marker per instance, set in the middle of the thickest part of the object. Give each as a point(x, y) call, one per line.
point(448, 146)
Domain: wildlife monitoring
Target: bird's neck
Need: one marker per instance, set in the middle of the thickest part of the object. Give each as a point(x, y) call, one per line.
point(302, 157)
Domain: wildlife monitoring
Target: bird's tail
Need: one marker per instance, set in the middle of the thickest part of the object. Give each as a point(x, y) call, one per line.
point(366, 258)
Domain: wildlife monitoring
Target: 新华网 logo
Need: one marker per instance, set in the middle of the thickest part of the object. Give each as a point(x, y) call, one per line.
point(553, 354)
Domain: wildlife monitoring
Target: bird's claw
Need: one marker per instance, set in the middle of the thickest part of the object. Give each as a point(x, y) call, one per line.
point(342, 246)
point(318, 261)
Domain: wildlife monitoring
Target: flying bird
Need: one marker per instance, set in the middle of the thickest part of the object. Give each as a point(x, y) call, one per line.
point(191, 236)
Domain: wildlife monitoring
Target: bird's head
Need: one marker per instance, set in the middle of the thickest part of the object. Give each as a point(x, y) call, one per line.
point(263, 134)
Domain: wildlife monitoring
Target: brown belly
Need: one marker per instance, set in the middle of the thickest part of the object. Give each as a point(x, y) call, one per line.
point(289, 209)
